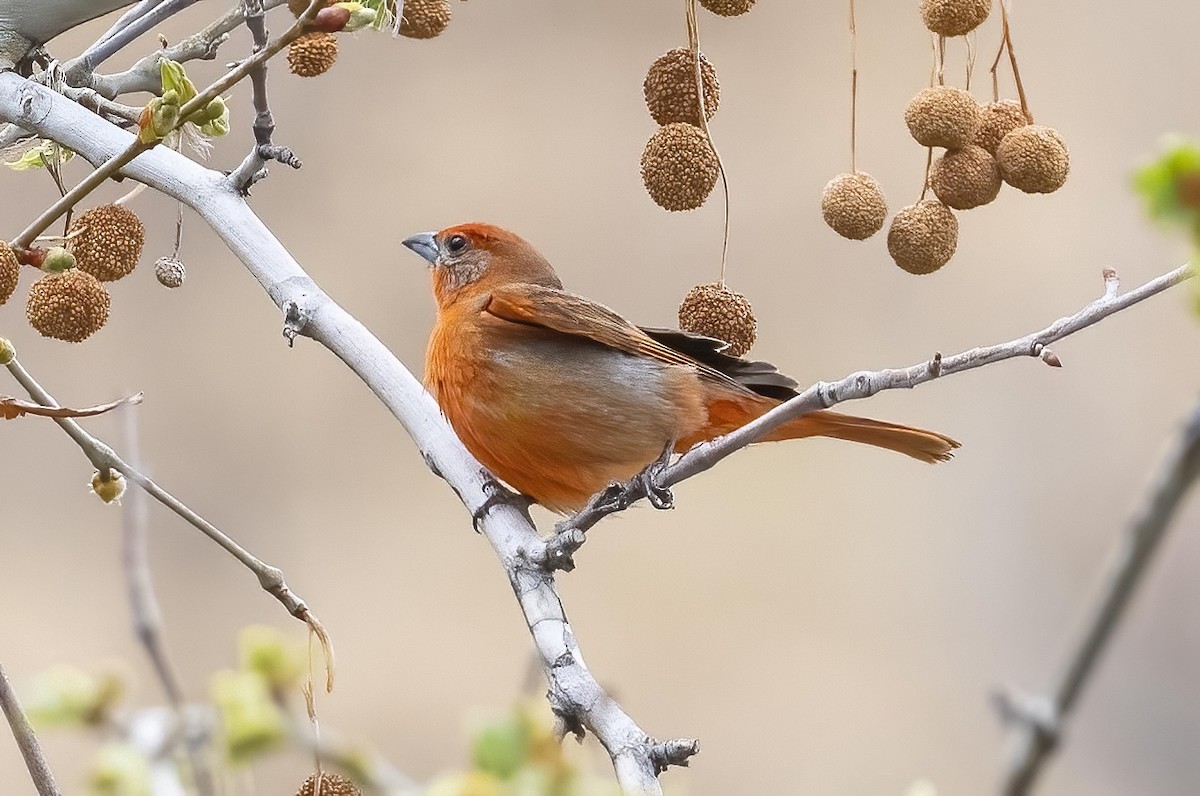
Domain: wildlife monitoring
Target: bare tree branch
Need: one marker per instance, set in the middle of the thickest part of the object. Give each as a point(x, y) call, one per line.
point(1038, 721)
point(27, 742)
point(571, 534)
point(575, 693)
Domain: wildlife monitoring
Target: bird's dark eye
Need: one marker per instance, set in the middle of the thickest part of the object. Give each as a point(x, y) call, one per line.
point(456, 243)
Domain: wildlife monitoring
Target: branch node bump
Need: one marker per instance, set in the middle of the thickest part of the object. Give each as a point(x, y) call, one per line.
point(1112, 283)
point(294, 320)
point(1035, 712)
point(935, 364)
point(678, 752)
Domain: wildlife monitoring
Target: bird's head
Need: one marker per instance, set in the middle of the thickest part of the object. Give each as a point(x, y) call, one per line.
point(468, 259)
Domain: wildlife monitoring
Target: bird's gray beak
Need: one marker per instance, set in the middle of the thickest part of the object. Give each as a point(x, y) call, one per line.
point(424, 245)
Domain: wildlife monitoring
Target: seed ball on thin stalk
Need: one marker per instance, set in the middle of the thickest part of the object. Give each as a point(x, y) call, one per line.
point(107, 241)
point(424, 19)
point(923, 237)
point(714, 310)
point(312, 54)
point(728, 8)
point(996, 120)
point(70, 306)
point(965, 178)
point(679, 167)
point(853, 205)
point(10, 272)
point(169, 272)
point(1034, 159)
point(670, 88)
point(331, 785)
point(954, 17)
point(942, 116)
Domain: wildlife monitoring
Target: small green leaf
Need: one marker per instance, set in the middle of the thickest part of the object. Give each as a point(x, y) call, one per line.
point(39, 156)
point(120, 770)
point(250, 721)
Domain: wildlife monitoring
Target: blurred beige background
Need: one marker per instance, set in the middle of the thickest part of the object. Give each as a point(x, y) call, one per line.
point(825, 618)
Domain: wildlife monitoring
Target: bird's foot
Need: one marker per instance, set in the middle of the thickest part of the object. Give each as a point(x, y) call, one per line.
point(649, 479)
point(498, 495)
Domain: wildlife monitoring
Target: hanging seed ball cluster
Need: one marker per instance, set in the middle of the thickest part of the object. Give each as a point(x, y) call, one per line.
point(331, 785)
point(312, 54)
point(10, 272)
point(107, 241)
point(679, 166)
point(714, 310)
point(70, 306)
point(985, 146)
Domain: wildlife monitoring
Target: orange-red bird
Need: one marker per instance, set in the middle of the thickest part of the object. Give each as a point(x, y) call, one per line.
point(560, 396)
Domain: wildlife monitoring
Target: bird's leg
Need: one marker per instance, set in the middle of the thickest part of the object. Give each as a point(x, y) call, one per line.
point(659, 496)
point(498, 494)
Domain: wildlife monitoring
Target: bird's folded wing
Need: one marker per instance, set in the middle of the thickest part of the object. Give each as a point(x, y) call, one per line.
point(568, 313)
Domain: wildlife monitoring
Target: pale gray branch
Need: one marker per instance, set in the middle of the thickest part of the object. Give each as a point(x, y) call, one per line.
point(863, 384)
point(1037, 721)
point(27, 742)
point(575, 692)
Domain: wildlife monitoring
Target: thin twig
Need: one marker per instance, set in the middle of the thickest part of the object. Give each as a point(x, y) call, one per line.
point(114, 164)
point(864, 384)
point(1012, 59)
point(27, 742)
point(106, 47)
point(105, 459)
point(853, 92)
point(147, 618)
point(1038, 723)
point(693, 31)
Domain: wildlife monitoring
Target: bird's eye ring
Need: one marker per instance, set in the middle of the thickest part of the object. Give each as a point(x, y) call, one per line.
point(456, 243)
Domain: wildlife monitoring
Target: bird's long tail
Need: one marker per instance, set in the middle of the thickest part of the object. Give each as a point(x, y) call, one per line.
point(928, 446)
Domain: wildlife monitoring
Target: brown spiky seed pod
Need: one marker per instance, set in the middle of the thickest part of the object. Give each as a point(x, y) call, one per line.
point(679, 168)
point(107, 241)
point(1034, 159)
point(69, 306)
point(954, 17)
point(923, 237)
point(965, 178)
point(169, 272)
point(714, 310)
point(670, 88)
point(942, 116)
point(424, 19)
point(728, 8)
point(996, 120)
point(312, 54)
point(853, 205)
point(10, 272)
point(331, 785)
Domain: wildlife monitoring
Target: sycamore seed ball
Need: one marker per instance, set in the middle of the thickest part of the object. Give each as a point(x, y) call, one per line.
point(996, 120)
point(169, 272)
point(69, 306)
point(10, 272)
point(923, 237)
point(331, 785)
point(109, 241)
point(670, 88)
point(853, 205)
point(679, 168)
point(424, 19)
point(942, 116)
point(312, 54)
point(714, 310)
point(954, 17)
point(965, 178)
point(1034, 159)
point(728, 8)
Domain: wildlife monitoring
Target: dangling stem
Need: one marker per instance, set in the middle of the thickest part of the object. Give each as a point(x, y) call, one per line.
point(1012, 59)
point(928, 166)
point(970, 39)
point(941, 60)
point(693, 29)
point(178, 230)
point(853, 92)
